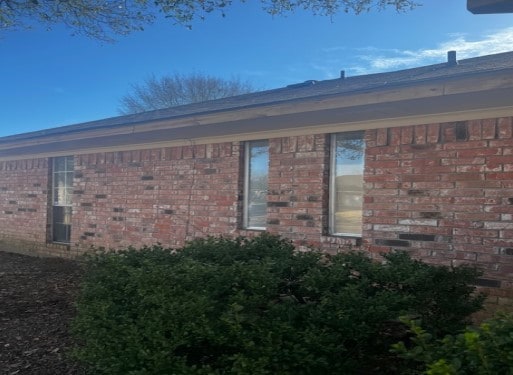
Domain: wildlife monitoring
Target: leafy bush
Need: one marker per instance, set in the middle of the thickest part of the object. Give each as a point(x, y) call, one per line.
point(485, 350)
point(256, 306)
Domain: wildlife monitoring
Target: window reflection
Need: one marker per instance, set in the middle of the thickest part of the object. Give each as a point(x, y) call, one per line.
point(62, 192)
point(257, 170)
point(347, 183)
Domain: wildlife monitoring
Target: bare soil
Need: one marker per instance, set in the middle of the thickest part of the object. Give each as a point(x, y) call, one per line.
point(36, 306)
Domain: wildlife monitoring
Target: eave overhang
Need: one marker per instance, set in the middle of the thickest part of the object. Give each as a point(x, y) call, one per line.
point(490, 6)
point(467, 97)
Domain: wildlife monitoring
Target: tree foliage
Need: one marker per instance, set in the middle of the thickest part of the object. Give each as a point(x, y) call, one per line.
point(258, 307)
point(484, 350)
point(177, 89)
point(103, 19)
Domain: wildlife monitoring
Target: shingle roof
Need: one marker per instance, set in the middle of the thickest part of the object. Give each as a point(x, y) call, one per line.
point(308, 90)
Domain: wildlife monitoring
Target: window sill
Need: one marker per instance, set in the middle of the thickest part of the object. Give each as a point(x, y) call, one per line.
point(256, 229)
point(344, 235)
point(332, 239)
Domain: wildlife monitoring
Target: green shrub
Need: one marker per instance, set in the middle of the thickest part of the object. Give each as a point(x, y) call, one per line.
point(485, 350)
point(256, 306)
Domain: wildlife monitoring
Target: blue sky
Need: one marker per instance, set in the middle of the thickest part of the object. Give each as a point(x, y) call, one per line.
point(50, 78)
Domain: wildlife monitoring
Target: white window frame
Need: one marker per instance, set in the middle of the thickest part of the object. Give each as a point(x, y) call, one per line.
point(332, 184)
point(66, 203)
point(247, 182)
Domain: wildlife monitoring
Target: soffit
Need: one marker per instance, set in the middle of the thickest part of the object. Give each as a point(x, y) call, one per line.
point(488, 94)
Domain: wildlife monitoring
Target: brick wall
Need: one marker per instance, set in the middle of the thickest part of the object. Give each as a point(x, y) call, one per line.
point(23, 203)
point(24, 207)
point(165, 195)
point(298, 191)
point(445, 193)
point(176, 194)
point(297, 184)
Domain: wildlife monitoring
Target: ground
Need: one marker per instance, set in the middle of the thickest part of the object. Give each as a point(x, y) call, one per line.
point(36, 305)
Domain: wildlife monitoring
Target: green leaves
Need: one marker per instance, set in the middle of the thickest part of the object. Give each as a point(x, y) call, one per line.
point(104, 20)
point(485, 350)
point(256, 306)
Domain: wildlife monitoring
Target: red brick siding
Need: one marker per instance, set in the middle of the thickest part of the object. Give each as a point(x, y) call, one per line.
point(176, 194)
point(165, 195)
point(24, 206)
point(445, 193)
point(298, 191)
point(24, 199)
point(297, 187)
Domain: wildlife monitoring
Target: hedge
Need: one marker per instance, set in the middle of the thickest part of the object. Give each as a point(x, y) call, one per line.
point(258, 306)
point(484, 350)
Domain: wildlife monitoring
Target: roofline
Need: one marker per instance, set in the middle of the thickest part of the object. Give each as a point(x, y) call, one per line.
point(120, 121)
point(439, 98)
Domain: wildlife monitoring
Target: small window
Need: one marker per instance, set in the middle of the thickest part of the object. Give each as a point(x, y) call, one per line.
point(346, 184)
point(62, 192)
point(255, 186)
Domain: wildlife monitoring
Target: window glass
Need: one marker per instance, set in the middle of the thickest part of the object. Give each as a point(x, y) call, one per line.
point(60, 188)
point(62, 196)
point(62, 191)
point(70, 164)
point(257, 170)
point(61, 224)
point(346, 195)
point(59, 164)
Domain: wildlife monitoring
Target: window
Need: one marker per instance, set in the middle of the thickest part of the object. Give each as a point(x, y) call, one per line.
point(62, 190)
point(255, 184)
point(346, 184)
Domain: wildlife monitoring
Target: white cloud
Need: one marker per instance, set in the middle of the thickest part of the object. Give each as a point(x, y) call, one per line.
point(370, 59)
